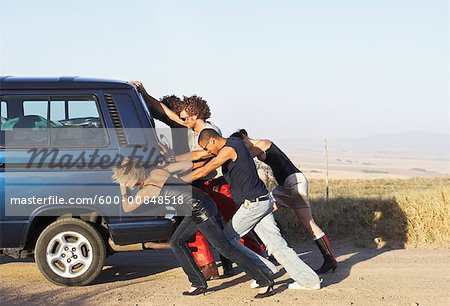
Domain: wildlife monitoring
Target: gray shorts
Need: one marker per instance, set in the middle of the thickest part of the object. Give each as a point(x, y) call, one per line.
point(294, 192)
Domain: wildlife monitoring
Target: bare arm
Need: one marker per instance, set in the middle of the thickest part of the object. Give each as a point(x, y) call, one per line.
point(199, 164)
point(255, 151)
point(225, 154)
point(172, 115)
point(157, 106)
point(194, 155)
point(178, 166)
point(259, 148)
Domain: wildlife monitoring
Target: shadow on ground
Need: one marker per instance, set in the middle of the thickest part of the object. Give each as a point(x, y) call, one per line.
point(136, 265)
point(375, 225)
point(367, 227)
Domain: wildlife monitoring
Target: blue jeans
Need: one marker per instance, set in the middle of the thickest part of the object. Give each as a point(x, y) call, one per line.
point(259, 215)
point(213, 231)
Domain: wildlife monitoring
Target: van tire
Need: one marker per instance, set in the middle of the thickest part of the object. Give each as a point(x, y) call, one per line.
point(70, 252)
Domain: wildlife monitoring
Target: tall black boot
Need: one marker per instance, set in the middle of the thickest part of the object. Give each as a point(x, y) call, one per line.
point(330, 262)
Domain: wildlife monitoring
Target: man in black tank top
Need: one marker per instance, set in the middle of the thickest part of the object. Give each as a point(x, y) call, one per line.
point(291, 192)
point(256, 205)
point(160, 183)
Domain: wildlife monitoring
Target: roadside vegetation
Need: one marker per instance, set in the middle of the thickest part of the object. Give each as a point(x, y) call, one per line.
point(397, 212)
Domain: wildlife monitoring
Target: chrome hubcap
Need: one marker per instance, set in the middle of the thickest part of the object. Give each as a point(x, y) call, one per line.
point(69, 254)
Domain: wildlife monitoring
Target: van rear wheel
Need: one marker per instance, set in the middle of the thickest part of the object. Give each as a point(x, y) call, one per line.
point(70, 252)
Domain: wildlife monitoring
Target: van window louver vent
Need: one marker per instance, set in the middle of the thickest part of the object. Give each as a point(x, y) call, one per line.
point(118, 127)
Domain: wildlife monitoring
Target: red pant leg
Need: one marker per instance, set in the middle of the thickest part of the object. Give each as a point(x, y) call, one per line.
point(251, 242)
point(200, 250)
point(221, 195)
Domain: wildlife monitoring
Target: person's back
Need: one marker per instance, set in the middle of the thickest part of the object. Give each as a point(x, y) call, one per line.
point(291, 192)
point(280, 164)
point(242, 175)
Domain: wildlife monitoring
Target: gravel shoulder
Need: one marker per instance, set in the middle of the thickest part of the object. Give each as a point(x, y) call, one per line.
point(364, 277)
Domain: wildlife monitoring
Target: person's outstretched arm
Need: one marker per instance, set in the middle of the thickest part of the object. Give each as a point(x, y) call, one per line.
point(179, 166)
point(156, 106)
point(226, 153)
point(255, 151)
point(194, 155)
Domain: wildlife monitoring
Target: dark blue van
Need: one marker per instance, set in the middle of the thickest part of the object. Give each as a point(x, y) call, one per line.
point(86, 122)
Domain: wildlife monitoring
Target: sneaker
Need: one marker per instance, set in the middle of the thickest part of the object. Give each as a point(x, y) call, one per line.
point(296, 286)
point(254, 284)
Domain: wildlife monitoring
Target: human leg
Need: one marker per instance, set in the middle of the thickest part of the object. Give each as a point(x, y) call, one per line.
point(212, 230)
point(220, 192)
point(242, 222)
point(294, 194)
point(183, 254)
point(276, 245)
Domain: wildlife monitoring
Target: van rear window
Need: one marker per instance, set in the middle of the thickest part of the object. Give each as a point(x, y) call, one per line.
point(75, 120)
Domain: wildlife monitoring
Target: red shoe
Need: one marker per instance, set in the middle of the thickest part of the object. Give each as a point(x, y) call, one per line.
point(210, 271)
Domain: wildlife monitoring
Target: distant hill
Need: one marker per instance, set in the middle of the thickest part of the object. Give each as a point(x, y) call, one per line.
point(412, 143)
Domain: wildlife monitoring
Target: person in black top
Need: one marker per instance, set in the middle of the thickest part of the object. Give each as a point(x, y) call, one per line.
point(205, 218)
point(255, 207)
point(292, 192)
point(179, 132)
point(167, 110)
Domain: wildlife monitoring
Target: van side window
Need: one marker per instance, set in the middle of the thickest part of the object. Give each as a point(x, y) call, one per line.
point(73, 112)
point(26, 125)
point(42, 121)
point(35, 108)
point(4, 110)
point(77, 123)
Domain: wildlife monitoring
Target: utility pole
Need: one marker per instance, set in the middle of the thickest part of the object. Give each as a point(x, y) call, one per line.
point(326, 171)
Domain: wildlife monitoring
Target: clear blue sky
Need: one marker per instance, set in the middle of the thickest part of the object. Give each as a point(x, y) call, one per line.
point(281, 69)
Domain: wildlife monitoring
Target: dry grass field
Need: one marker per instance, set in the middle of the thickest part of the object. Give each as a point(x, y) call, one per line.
point(397, 212)
point(374, 199)
point(369, 223)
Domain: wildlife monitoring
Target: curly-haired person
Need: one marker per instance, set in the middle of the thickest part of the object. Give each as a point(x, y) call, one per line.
point(195, 114)
point(167, 110)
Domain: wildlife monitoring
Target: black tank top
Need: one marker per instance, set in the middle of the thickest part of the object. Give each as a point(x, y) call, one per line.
point(242, 174)
point(280, 164)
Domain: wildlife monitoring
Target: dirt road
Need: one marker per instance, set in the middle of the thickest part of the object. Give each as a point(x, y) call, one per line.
point(364, 277)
